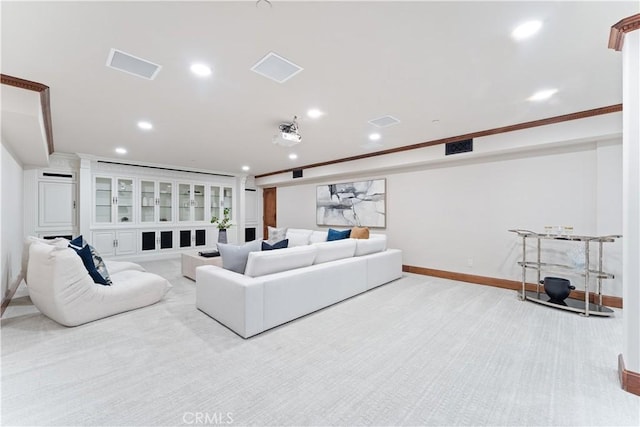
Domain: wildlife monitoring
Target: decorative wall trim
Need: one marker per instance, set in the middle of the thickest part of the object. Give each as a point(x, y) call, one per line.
point(45, 102)
point(629, 380)
point(608, 300)
point(9, 295)
point(620, 28)
point(526, 125)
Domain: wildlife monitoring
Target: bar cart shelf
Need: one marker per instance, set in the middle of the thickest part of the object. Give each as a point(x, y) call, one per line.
point(588, 273)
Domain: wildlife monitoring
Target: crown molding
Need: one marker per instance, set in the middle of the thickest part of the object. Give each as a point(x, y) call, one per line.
point(519, 126)
point(45, 102)
point(619, 29)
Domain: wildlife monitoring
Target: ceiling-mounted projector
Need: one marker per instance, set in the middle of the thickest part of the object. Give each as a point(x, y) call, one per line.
point(288, 135)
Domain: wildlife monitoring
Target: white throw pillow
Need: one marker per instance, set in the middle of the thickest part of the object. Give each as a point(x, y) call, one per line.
point(298, 237)
point(234, 257)
point(276, 234)
point(318, 236)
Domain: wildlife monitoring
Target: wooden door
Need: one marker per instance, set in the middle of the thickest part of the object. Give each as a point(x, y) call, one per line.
point(269, 213)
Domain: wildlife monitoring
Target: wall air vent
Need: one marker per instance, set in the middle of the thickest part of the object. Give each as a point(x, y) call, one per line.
point(384, 121)
point(130, 64)
point(276, 68)
point(297, 173)
point(458, 147)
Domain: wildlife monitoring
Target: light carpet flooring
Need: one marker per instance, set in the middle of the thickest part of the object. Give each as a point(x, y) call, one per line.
point(418, 351)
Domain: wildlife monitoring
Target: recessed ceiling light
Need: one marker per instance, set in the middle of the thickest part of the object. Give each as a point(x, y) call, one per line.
point(314, 113)
point(374, 136)
point(145, 125)
point(525, 30)
point(201, 70)
point(293, 156)
point(121, 150)
point(542, 95)
point(245, 168)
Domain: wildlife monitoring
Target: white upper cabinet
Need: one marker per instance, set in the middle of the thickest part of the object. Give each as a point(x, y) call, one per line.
point(156, 201)
point(113, 200)
point(191, 202)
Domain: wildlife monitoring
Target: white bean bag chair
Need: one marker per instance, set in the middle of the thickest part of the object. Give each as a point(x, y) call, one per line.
point(62, 289)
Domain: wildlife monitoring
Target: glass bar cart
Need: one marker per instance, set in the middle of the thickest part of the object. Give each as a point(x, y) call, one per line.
point(539, 296)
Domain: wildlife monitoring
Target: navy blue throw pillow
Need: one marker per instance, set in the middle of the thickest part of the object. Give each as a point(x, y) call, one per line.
point(278, 245)
point(337, 235)
point(87, 259)
point(77, 243)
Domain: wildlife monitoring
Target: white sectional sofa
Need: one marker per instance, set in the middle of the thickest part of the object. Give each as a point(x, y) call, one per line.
point(284, 284)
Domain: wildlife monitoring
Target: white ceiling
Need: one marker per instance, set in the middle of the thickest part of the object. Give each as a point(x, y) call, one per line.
point(418, 61)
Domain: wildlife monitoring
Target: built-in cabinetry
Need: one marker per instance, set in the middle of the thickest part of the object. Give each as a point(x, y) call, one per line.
point(591, 274)
point(129, 210)
point(157, 213)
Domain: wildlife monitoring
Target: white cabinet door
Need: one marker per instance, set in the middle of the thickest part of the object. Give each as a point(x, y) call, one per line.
point(104, 242)
point(57, 204)
point(126, 242)
point(112, 243)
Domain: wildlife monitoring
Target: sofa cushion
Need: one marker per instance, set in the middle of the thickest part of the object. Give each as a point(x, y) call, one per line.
point(375, 243)
point(331, 251)
point(58, 242)
point(337, 234)
point(268, 262)
point(318, 236)
point(359, 233)
point(234, 257)
point(276, 234)
point(282, 244)
point(298, 236)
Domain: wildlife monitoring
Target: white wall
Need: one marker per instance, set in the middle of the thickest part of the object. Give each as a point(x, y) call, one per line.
point(11, 222)
point(455, 216)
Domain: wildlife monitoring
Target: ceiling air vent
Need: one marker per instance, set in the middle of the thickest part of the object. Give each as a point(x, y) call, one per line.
point(459, 147)
point(276, 68)
point(130, 64)
point(384, 121)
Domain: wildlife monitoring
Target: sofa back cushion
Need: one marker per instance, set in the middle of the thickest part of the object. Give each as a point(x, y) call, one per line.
point(375, 243)
point(318, 236)
point(298, 236)
point(269, 262)
point(331, 251)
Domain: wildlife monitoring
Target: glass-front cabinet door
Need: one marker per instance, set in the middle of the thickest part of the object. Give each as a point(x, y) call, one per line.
point(184, 202)
point(156, 201)
point(103, 209)
point(227, 200)
point(191, 202)
point(147, 201)
point(221, 199)
point(165, 202)
point(198, 202)
point(124, 200)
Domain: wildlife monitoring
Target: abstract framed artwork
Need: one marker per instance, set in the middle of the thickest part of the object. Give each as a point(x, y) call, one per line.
point(360, 203)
